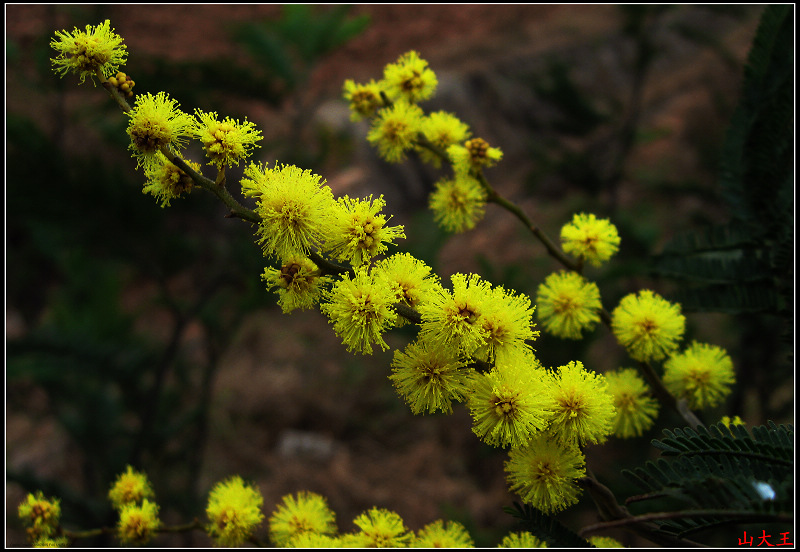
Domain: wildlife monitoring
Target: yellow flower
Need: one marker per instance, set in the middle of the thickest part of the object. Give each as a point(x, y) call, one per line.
point(138, 522)
point(360, 310)
point(567, 304)
point(156, 123)
point(234, 511)
point(411, 279)
point(97, 50)
point(605, 542)
point(296, 209)
point(543, 473)
point(636, 409)
point(452, 320)
point(443, 534)
point(130, 487)
point(297, 283)
point(443, 130)
point(702, 374)
point(305, 513)
point(225, 142)
point(395, 130)
point(511, 403)
point(364, 99)
point(360, 232)
point(429, 378)
point(314, 540)
point(523, 539)
point(728, 421)
point(473, 156)
point(409, 79)
point(589, 238)
point(51, 542)
point(165, 181)
point(380, 528)
point(648, 325)
point(458, 204)
point(39, 515)
point(507, 319)
point(584, 411)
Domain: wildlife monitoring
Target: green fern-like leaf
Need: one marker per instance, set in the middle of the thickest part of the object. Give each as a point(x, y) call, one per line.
point(719, 476)
point(746, 265)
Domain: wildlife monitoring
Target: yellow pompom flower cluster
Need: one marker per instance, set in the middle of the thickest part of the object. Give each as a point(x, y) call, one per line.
point(507, 319)
point(304, 520)
point(429, 378)
point(702, 374)
point(225, 142)
point(544, 473)
point(590, 239)
point(443, 534)
point(442, 130)
point(364, 99)
point(157, 123)
point(131, 495)
point(648, 325)
point(458, 204)
point(452, 319)
point(314, 540)
point(544, 416)
point(605, 542)
point(410, 278)
point(360, 231)
point(51, 542)
point(379, 528)
point(98, 50)
point(40, 516)
point(360, 310)
point(473, 156)
point(584, 410)
point(166, 182)
point(297, 210)
point(130, 487)
point(234, 512)
point(298, 283)
point(522, 539)
point(636, 408)
point(395, 130)
point(511, 404)
point(409, 79)
point(304, 514)
point(568, 304)
point(399, 125)
point(138, 523)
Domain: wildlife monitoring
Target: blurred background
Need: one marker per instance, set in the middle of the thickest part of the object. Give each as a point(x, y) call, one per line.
point(141, 335)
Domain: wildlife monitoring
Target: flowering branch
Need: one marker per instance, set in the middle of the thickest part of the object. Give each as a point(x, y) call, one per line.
point(474, 344)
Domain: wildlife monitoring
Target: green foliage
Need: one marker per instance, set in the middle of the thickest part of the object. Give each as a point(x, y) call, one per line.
point(577, 113)
point(746, 265)
point(719, 476)
point(545, 527)
point(304, 34)
point(282, 54)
